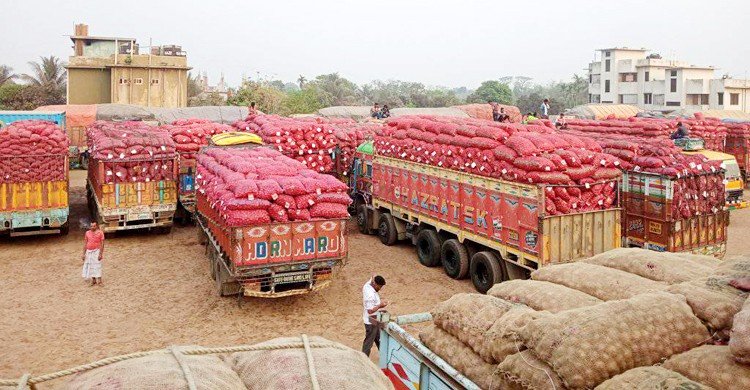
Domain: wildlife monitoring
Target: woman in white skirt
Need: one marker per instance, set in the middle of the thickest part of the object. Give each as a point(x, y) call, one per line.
point(92, 254)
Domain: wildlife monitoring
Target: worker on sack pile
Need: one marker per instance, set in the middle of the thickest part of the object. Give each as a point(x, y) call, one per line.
point(385, 112)
point(372, 304)
point(495, 111)
point(502, 116)
point(682, 132)
point(251, 110)
point(93, 250)
point(560, 122)
point(375, 111)
point(544, 109)
point(530, 117)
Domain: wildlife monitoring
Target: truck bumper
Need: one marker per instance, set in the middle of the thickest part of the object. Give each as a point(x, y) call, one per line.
point(34, 221)
point(144, 217)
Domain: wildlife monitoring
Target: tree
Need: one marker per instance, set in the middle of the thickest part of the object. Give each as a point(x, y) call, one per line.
point(193, 85)
point(301, 80)
point(266, 97)
point(305, 101)
point(29, 97)
point(338, 91)
point(207, 99)
point(491, 90)
point(50, 72)
point(6, 74)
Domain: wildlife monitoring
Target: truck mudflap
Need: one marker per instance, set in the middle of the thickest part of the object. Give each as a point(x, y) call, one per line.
point(409, 364)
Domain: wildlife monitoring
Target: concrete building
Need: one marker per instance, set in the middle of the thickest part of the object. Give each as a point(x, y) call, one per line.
point(111, 70)
point(629, 76)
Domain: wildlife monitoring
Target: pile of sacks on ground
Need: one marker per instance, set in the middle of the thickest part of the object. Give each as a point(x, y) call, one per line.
point(132, 151)
point(580, 176)
point(33, 150)
point(484, 111)
point(711, 130)
point(625, 319)
point(190, 134)
point(258, 185)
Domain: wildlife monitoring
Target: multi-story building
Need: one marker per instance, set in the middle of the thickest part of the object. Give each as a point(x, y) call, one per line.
point(630, 76)
point(111, 70)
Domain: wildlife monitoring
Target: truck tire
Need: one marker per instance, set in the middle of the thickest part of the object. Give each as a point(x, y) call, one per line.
point(485, 271)
point(387, 229)
point(455, 259)
point(363, 220)
point(428, 248)
point(163, 229)
point(223, 286)
point(65, 229)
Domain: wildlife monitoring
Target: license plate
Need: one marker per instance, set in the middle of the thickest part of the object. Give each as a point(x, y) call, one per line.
point(292, 278)
point(138, 216)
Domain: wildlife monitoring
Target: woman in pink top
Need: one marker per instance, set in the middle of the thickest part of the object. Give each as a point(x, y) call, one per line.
point(92, 254)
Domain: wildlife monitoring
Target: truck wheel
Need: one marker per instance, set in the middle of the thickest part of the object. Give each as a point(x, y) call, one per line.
point(428, 248)
point(163, 229)
point(387, 230)
point(363, 222)
point(64, 229)
point(455, 259)
point(485, 271)
point(224, 287)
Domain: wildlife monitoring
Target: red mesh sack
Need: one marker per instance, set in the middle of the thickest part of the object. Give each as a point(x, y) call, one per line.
point(247, 217)
point(329, 210)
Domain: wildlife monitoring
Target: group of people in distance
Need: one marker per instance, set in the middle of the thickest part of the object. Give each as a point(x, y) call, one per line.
point(378, 112)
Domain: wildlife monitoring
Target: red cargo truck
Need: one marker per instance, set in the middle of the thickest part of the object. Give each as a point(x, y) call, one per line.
point(273, 259)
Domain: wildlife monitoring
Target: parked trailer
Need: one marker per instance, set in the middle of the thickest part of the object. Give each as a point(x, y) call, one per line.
point(131, 205)
point(271, 260)
point(486, 228)
point(8, 117)
point(648, 223)
point(409, 364)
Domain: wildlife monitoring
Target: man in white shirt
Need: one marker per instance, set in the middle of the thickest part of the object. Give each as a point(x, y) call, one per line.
point(544, 109)
point(372, 304)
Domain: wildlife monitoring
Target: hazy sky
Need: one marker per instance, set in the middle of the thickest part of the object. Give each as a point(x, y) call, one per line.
point(448, 43)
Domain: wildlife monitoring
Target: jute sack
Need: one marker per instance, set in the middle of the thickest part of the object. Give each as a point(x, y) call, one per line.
point(526, 371)
point(287, 366)
point(468, 317)
point(160, 371)
point(589, 345)
point(601, 282)
point(658, 266)
point(712, 299)
point(650, 378)
point(711, 365)
point(462, 358)
point(709, 261)
point(735, 266)
point(739, 338)
point(502, 338)
point(540, 295)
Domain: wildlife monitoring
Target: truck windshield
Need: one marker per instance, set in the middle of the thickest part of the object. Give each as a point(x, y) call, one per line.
point(732, 170)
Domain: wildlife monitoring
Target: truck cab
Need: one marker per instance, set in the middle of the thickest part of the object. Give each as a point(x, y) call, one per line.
point(733, 181)
point(360, 181)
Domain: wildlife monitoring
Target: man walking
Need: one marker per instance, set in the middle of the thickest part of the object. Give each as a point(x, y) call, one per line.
point(92, 254)
point(544, 109)
point(372, 304)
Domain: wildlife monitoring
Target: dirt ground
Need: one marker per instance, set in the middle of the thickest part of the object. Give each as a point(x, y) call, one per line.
point(158, 293)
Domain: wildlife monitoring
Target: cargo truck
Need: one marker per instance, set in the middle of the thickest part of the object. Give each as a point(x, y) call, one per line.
point(36, 207)
point(484, 228)
point(186, 190)
point(126, 205)
point(268, 260)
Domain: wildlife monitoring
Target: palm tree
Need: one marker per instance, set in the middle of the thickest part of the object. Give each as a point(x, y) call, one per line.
point(301, 80)
point(49, 73)
point(6, 74)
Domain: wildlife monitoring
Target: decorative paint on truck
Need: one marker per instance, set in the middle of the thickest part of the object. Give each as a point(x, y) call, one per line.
point(506, 212)
point(295, 241)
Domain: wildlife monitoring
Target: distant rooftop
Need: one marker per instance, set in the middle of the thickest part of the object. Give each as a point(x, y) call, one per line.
point(624, 49)
point(90, 38)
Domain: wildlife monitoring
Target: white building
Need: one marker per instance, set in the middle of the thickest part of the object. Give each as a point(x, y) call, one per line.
point(630, 76)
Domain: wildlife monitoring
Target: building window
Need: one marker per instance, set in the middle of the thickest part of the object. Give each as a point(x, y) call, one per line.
point(628, 77)
point(123, 81)
point(595, 98)
point(721, 98)
point(606, 85)
point(695, 99)
point(704, 99)
point(673, 104)
point(645, 76)
point(659, 99)
point(673, 73)
point(154, 81)
point(606, 65)
point(628, 99)
point(138, 81)
point(606, 54)
point(673, 85)
point(734, 99)
point(647, 97)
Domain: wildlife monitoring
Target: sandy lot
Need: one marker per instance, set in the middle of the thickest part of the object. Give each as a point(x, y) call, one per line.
point(158, 292)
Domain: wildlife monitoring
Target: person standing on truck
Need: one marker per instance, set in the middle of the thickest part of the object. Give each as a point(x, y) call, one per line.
point(93, 250)
point(544, 109)
point(372, 304)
